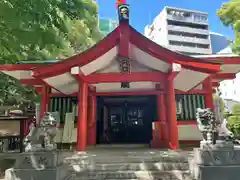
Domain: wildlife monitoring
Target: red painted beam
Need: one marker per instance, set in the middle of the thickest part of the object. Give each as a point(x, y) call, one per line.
point(125, 77)
point(224, 76)
point(138, 93)
point(62, 95)
point(226, 60)
point(31, 82)
point(38, 90)
point(81, 77)
point(194, 91)
point(215, 84)
point(131, 93)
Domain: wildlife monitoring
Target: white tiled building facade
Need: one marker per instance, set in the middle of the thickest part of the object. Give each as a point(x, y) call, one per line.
point(230, 89)
point(185, 31)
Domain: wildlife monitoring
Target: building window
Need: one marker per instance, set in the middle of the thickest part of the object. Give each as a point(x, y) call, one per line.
point(178, 13)
point(178, 33)
point(199, 18)
point(204, 18)
point(204, 46)
point(186, 24)
point(187, 14)
point(187, 44)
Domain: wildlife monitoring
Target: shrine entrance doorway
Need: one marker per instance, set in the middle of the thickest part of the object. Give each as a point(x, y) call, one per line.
point(126, 119)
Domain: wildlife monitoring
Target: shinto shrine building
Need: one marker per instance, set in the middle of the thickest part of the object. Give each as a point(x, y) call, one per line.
point(128, 89)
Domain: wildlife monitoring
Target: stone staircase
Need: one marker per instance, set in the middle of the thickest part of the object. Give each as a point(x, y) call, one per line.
point(130, 163)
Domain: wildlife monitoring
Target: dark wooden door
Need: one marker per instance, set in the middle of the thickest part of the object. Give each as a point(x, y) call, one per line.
point(129, 123)
point(138, 124)
point(116, 124)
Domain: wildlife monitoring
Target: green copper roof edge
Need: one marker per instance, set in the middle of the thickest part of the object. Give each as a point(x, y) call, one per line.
point(40, 61)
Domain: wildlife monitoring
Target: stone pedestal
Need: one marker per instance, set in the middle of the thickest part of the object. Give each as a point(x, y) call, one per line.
point(220, 162)
point(39, 166)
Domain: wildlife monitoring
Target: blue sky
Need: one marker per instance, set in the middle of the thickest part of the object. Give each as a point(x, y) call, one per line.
point(144, 11)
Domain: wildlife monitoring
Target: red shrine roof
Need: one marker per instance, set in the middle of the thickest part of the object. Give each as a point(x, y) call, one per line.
point(147, 59)
point(138, 43)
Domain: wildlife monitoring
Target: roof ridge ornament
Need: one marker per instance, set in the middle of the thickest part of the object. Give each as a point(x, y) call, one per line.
point(120, 2)
point(123, 13)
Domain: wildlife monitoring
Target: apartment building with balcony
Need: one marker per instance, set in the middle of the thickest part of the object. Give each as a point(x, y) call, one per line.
point(182, 30)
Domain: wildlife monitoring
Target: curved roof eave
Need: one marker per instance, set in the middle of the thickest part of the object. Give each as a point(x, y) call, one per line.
point(83, 58)
point(156, 47)
point(136, 39)
point(145, 44)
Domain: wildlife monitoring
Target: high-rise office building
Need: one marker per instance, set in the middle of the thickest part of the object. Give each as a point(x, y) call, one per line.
point(185, 31)
point(107, 25)
point(220, 44)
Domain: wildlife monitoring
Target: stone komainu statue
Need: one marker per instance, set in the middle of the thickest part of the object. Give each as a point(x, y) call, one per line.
point(205, 122)
point(208, 124)
point(41, 136)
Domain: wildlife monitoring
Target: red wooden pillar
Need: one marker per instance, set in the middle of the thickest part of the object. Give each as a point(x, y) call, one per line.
point(45, 99)
point(92, 126)
point(82, 117)
point(208, 98)
point(162, 118)
point(171, 115)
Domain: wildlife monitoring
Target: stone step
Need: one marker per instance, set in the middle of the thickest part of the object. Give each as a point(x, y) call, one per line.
point(141, 166)
point(141, 175)
point(137, 166)
point(133, 153)
point(71, 177)
point(165, 178)
point(126, 159)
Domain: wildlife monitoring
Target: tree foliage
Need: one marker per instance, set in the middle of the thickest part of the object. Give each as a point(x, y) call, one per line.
point(40, 30)
point(229, 14)
point(234, 120)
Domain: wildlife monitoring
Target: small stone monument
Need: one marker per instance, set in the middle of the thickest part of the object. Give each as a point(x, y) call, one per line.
point(41, 159)
point(216, 159)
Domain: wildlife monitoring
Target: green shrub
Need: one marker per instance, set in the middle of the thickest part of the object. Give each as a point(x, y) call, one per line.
point(234, 120)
